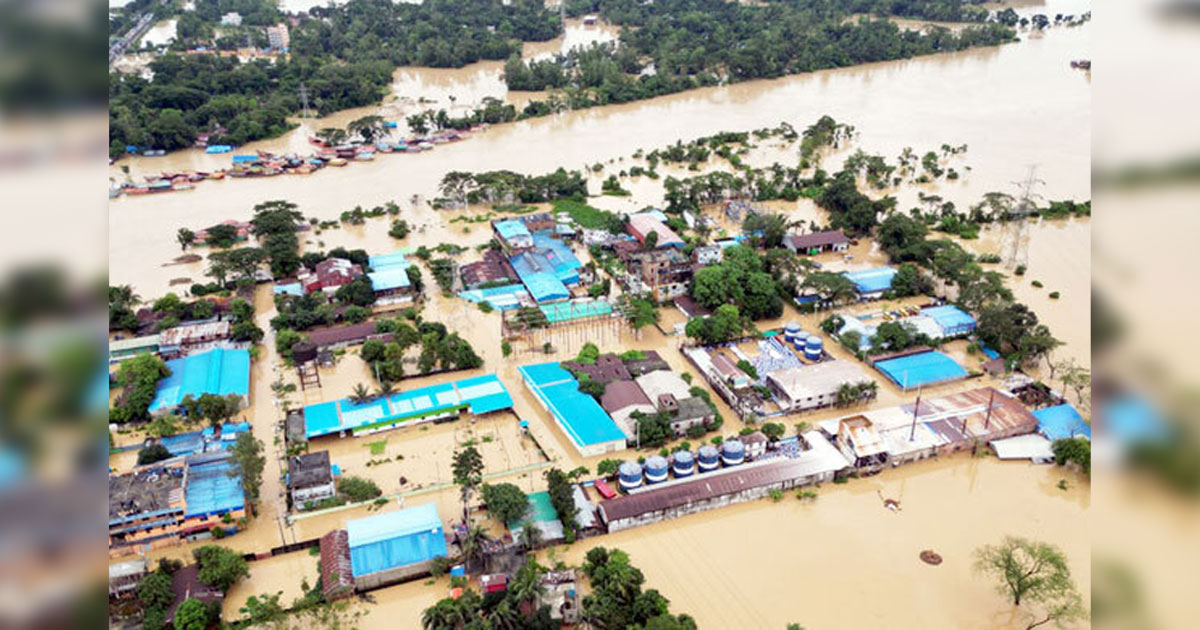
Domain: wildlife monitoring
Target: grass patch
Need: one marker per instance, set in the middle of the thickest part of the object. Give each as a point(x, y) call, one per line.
point(377, 448)
point(588, 217)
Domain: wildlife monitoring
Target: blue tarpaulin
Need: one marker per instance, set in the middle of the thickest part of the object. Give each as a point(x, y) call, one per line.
point(1061, 422)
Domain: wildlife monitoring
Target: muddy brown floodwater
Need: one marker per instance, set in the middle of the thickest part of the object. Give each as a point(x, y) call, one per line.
point(842, 561)
point(1013, 105)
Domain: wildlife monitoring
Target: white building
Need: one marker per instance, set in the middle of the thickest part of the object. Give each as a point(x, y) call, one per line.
point(814, 385)
point(232, 18)
point(310, 478)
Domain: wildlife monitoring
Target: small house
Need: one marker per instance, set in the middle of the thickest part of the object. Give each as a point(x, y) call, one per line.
point(817, 242)
point(310, 478)
point(755, 443)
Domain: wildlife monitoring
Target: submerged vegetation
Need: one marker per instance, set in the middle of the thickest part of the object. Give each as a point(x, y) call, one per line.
point(344, 56)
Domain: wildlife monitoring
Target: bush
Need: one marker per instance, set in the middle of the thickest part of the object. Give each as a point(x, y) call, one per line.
point(153, 453)
point(1020, 270)
point(358, 489)
point(505, 348)
point(1054, 295)
point(1037, 284)
point(776, 495)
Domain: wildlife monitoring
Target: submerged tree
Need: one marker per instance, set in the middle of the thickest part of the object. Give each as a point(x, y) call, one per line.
point(468, 474)
point(1035, 574)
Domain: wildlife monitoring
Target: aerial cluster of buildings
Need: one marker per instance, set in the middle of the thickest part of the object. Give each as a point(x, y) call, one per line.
point(632, 387)
point(176, 500)
point(387, 273)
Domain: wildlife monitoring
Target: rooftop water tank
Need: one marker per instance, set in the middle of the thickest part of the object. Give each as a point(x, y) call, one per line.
point(709, 458)
point(790, 331)
point(733, 452)
point(656, 469)
point(685, 464)
point(813, 347)
point(631, 474)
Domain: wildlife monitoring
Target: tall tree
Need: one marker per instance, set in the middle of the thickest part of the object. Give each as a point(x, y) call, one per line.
point(247, 454)
point(468, 474)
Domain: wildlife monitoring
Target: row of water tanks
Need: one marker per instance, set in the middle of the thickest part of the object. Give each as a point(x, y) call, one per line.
point(682, 464)
point(810, 345)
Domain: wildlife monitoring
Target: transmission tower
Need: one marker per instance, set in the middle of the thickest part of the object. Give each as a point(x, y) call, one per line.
point(1018, 224)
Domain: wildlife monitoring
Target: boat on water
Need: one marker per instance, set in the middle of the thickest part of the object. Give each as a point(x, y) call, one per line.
point(337, 161)
point(217, 175)
point(184, 185)
point(365, 156)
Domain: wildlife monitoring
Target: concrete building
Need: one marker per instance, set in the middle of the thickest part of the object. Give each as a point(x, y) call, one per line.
point(121, 349)
point(123, 578)
point(756, 444)
point(817, 242)
point(641, 225)
point(620, 400)
point(189, 338)
point(231, 19)
point(278, 37)
point(706, 255)
point(662, 273)
point(561, 593)
point(818, 462)
point(513, 234)
point(310, 478)
point(813, 385)
point(329, 275)
point(179, 499)
point(861, 443)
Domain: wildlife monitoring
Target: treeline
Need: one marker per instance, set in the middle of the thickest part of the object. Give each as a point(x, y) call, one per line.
point(344, 59)
point(505, 187)
point(674, 45)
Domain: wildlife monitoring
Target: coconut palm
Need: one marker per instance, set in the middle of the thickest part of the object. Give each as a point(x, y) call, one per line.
point(530, 536)
point(360, 394)
point(526, 586)
point(446, 614)
point(504, 617)
point(386, 388)
point(472, 543)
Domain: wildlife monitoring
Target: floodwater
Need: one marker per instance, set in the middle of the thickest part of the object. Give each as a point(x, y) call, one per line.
point(841, 561)
point(844, 561)
point(1013, 105)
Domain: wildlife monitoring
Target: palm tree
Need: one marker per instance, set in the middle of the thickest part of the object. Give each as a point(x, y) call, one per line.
point(360, 394)
point(530, 536)
point(386, 388)
point(504, 617)
point(472, 543)
point(444, 615)
point(526, 586)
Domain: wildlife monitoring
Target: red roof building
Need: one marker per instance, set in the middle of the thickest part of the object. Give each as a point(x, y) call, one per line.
point(329, 275)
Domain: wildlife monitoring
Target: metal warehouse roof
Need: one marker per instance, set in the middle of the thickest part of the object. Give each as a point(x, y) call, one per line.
point(872, 280)
point(221, 371)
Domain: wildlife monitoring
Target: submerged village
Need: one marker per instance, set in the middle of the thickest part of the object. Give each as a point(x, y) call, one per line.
point(592, 395)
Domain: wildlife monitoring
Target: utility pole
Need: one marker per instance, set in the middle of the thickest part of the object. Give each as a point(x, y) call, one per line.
point(912, 433)
point(987, 418)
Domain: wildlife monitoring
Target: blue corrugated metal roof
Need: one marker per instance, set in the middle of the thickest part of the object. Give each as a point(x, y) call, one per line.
point(872, 280)
point(293, 288)
point(395, 277)
point(395, 539)
point(482, 394)
point(379, 262)
point(511, 228)
point(952, 320)
point(579, 414)
point(220, 371)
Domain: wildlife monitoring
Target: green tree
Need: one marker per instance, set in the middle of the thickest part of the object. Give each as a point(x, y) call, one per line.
point(185, 237)
point(155, 591)
point(358, 489)
point(192, 614)
point(506, 501)
point(468, 474)
point(220, 567)
point(247, 454)
point(1025, 569)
